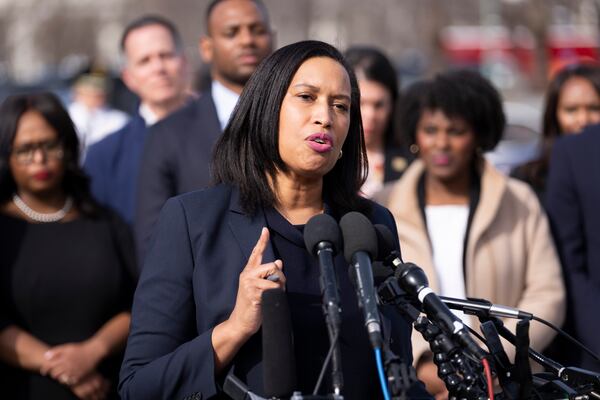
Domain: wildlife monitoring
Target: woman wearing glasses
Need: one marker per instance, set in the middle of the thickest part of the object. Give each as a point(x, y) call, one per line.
point(67, 270)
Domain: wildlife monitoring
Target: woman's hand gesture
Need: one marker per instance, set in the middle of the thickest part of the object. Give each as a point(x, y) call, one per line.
point(246, 317)
point(254, 280)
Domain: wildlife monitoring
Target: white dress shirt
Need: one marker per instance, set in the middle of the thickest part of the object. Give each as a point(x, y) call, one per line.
point(225, 101)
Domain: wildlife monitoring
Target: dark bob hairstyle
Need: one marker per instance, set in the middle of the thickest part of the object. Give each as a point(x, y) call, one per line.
point(371, 64)
point(247, 154)
point(75, 182)
point(458, 94)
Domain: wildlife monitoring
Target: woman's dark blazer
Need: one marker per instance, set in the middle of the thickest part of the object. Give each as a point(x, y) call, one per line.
point(189, 285)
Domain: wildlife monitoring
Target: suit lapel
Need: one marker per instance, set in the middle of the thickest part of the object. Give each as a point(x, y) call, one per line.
point(210, 120)
point(246, 228)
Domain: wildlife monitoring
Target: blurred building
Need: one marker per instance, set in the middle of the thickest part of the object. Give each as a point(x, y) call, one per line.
point(513, 41)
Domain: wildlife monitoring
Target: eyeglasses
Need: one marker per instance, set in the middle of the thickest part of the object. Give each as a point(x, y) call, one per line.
point(51, 149)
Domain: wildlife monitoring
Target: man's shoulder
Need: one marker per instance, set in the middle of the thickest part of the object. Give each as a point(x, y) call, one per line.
point(113, 140)
point(188, 116)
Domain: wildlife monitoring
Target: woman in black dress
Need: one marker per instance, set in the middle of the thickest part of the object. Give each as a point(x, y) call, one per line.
point(67, 270)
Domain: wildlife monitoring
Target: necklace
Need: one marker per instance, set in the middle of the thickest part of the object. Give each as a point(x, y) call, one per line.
point(43, 217)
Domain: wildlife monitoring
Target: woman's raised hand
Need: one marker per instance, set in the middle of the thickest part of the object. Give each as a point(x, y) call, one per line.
point(246, 316)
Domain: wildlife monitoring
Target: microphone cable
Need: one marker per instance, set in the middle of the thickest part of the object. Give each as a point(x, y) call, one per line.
point(378, 360)
point(566, 335)
point(326, 362)
point(488, 378)
point(381, 373)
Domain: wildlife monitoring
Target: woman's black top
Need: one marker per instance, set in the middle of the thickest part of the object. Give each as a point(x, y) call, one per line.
point(61, 282)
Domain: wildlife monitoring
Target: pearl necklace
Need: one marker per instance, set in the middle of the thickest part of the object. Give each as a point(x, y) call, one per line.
point(43, 217)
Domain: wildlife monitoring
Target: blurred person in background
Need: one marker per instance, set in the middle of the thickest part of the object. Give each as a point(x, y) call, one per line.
point(178, 151)
point(572, 201)
point(155, 68)
point(92, 116)
point(474, 231)
point(521, 138)
point(67, 270)
point(379, 98)
point(572, 103)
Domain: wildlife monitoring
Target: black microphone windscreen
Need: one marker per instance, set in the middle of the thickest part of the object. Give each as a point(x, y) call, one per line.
point(381, 272)
point(359, 235)
point(279, 361)
point(322, 228)
point(385, 241)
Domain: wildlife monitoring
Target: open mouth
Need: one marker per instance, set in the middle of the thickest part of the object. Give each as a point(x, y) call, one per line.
point(320, 142)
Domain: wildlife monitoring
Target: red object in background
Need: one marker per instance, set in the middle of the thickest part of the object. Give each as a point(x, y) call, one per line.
point(569, 44)
point(565, 44)
point(469, 45)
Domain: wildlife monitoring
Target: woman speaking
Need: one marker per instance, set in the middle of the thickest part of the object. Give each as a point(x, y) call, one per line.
point(293, 148)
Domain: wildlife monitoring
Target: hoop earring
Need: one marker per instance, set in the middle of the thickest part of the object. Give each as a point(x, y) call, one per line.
point(340, 155)
point(414, 148)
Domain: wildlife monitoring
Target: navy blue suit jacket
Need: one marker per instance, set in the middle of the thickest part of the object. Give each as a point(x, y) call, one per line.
point(573, 205)
point(176, 160)
point(113, 166)
point(189, 285)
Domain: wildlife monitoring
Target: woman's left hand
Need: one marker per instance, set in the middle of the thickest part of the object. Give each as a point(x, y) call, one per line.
point(69, 363)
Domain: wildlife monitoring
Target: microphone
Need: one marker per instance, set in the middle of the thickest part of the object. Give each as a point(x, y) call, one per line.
point(385, 244)
point(412, 280)
point(323, 239)
point(360, 247)
point(279, 364)
point(485, 308)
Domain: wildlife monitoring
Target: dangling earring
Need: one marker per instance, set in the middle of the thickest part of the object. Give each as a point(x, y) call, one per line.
point(340, 155)
point(414, 148)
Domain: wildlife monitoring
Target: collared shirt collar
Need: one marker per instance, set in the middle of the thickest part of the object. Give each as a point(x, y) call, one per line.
point(225, 101)
point(149, 117)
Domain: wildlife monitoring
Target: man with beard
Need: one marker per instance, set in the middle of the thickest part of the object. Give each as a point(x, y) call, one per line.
point(178, 151)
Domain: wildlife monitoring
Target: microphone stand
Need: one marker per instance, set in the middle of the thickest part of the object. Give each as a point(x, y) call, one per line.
point(332, 313)
point(454, 368)
point(577, 383)
point(238, 390)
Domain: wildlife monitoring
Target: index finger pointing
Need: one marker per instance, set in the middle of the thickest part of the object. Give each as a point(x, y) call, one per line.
point(257, 253)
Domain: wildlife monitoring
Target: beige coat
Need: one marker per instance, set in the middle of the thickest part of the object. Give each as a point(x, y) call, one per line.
point(510, 257)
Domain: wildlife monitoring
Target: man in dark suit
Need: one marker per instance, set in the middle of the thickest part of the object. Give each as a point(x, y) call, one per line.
point(573, 200)
point(178, 150)
point(156, 70)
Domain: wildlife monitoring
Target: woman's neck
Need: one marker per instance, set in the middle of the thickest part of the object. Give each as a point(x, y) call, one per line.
point(46, 202)
point(375, 145)
point(298, 200)
point(446, 192)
